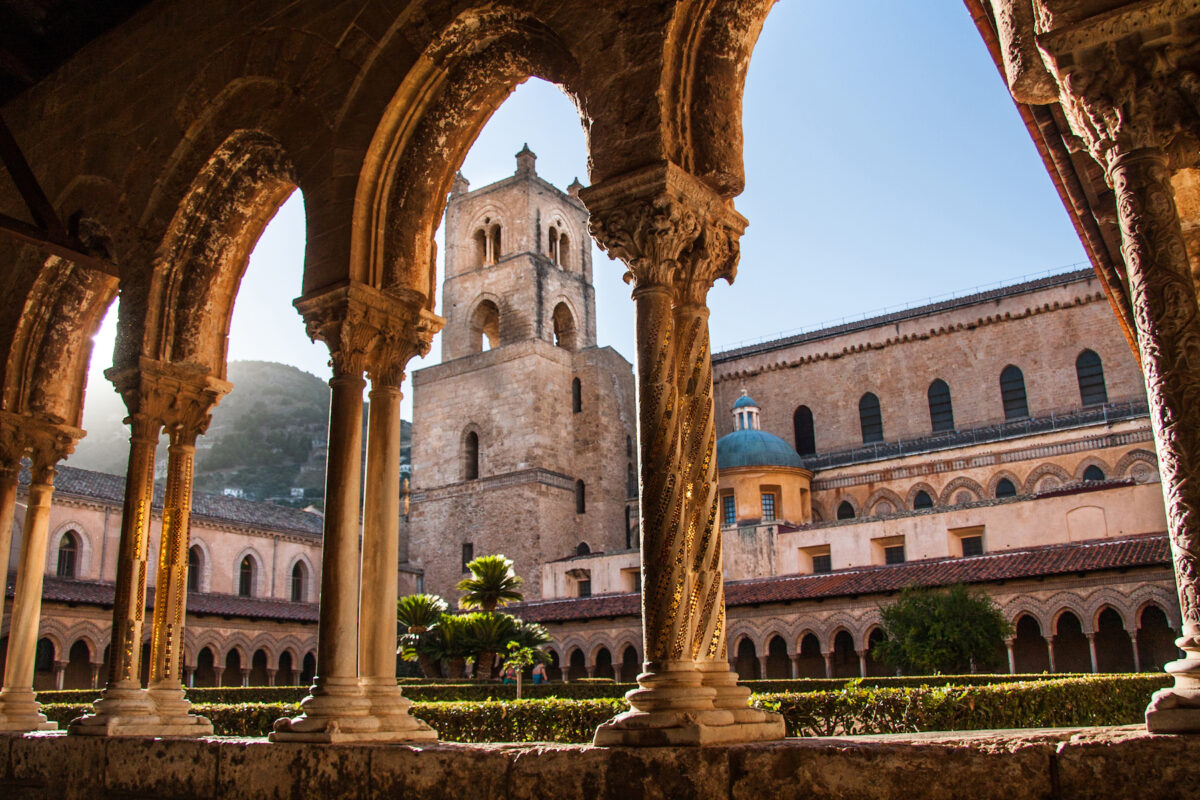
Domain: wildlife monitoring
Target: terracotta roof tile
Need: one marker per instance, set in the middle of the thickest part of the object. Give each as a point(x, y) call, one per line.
point(85, 483)
point(1142, 550)
point(99, 593)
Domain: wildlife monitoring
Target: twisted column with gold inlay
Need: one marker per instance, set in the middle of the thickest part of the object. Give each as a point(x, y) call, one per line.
point(47, 444)
point(676, 237)
point(178, 398)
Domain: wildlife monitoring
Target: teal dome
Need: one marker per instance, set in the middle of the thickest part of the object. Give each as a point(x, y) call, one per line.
point(755, 448)
point(743, 401)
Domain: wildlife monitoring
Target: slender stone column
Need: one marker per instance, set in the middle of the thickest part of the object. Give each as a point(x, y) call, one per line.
point(271, 677)
point(19, 710)
point(828, 656)
point(1050, 652)
point(1137, 657)
point(12, 446)
point(676, 236)
point(123, 705)
point(95, 684)
point(60, 671)
point(170, 597)
point(381, 530)
point(1091, 637)
point(357, 323)
point(1010, 646)
point(795, 659)
point(862, 663)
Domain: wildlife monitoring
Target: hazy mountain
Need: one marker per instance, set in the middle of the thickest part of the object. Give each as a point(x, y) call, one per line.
point(267, 437)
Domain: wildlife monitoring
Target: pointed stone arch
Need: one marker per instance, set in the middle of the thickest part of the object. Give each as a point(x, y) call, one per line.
point(1140, 465)
point(999, 475)
point(915, 489)
point(1092, 461)
point(1040, 473)
point(894, 503)
point(951, 490)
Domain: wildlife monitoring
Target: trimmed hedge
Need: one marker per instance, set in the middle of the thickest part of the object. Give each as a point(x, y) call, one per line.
point(854, 709)
point(430, 692)
point(1066, 702)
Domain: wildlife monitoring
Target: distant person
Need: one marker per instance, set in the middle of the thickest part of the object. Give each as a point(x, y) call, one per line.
point(539, 673)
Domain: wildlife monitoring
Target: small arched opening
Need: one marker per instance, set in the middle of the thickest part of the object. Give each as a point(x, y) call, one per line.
point(630, 666)
point(470, 456)
point(845, 658)
point(232, 676)
point(779, 665)
point(286, 675)
point(258, 669)
point(1029, 648)
point(576, 665)
point(1156, 639)
point(308, 669)
point(205, 674)
point(802, 426)
point(565, 334)
point(485, 327)
point(1071, 649)
point(78, 674)
point(747, 660)
point(1012, 393)
point(68, 555)
point(604, 664)
point(810, 664)
point(1114, 648)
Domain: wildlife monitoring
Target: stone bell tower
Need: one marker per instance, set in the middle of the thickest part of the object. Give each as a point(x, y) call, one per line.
point(523, 435)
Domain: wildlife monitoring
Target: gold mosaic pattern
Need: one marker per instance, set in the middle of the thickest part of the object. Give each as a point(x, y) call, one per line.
point(166, 657)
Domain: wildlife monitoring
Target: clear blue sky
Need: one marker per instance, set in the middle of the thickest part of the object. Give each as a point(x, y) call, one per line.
point(885, 164)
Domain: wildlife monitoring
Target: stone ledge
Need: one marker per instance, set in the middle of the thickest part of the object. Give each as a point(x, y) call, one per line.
point(1064, 764)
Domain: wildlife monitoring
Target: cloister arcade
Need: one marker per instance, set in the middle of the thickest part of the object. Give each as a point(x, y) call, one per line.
point(1099, 631)
point(165, 162)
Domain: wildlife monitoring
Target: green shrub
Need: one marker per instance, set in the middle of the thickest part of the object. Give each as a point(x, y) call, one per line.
point(852, 709)
point(1092, 700)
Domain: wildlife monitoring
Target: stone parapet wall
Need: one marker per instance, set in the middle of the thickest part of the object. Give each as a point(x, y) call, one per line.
point(1063, 763)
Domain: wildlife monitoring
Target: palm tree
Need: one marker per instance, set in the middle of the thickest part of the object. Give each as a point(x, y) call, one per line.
point(533, 636)
point(449, 641)
point(492, 583)
point(417, 613)
point(489, 633)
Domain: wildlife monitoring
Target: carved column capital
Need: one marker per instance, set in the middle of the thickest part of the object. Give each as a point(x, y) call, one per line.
point(46, 440)
point(176, 397)
point(370, 330)
point(1126, 89)
point(671, 230)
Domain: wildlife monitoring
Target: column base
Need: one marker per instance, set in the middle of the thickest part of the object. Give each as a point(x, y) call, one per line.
point(1176, 709)
point(335, 711)
point(394, 712)
point(735, 699)
point(120, 711)
point(676, 705)
point(20, 712)
point(681, 729)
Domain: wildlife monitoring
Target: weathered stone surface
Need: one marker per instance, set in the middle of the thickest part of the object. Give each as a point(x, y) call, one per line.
point(1128, 763)
point(851, 769)
point(618, 773)
point(51, 765)
point(161, 767)
point(250, 769)
point(1063, 764)
point(445, 771)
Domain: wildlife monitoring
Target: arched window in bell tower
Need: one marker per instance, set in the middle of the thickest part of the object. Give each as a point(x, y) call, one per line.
point(494, 235)
point(564, 327)
point(481, 248)
point(485, 327)
point(471, 456)
point(564, 250)
point(552, 245)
